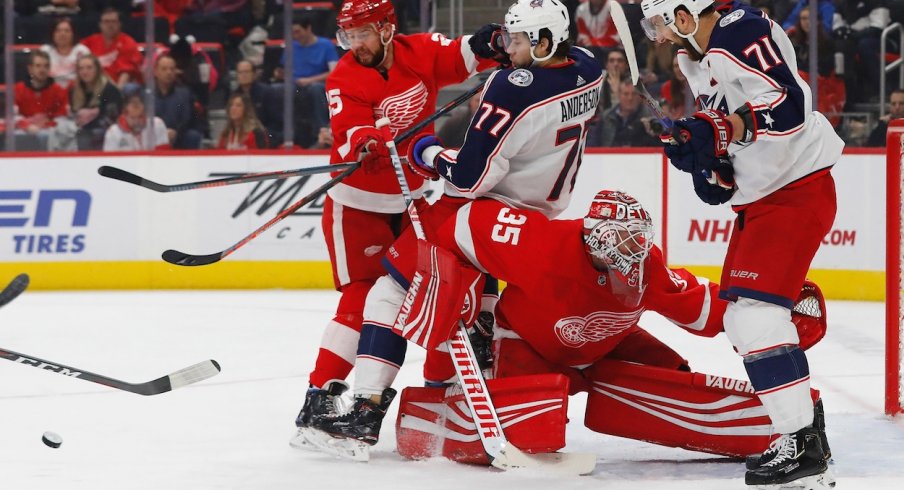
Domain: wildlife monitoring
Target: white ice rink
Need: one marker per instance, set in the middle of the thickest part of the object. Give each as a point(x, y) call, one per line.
point(232, 431)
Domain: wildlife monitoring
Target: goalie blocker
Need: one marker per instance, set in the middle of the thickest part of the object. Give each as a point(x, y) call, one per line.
point(662, 405)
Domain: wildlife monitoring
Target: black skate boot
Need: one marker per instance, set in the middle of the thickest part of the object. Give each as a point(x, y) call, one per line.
point(754, 461)
point(362, 423)
point(317, 402)
point(799, 462)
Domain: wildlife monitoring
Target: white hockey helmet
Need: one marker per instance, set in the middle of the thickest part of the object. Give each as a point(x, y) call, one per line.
point(530, 16)
point(661, 13)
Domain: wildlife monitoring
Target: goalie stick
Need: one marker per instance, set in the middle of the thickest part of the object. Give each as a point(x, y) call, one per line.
point(501, 453)
point(126, 176)
point(178, 379)
point(176, 257)
point(14, 289)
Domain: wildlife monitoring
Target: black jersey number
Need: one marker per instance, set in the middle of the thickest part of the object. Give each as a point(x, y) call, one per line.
point(576, 135)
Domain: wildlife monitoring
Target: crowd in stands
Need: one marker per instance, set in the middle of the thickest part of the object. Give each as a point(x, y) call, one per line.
point(220, 72)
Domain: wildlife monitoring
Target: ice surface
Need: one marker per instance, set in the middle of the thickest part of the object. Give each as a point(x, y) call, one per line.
point(232, 431)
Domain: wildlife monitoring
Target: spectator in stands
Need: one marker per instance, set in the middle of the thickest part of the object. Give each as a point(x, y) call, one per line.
point(264, 98)
point(452, 132)
point(628, 122)
point(313, 58)
point(39, 102)
point(243, 131)
point(64, 52)
point(677, 94)
point(826, 13)
point(131, 132)
point(175, 105)
point(194, 68)
point(117, 51)
point(47, 7)
point(616, 72)
point(895, 111)
point(95, 103)
point(859, 29)
point(596, 31)
point(832, 92)
point(324, 140)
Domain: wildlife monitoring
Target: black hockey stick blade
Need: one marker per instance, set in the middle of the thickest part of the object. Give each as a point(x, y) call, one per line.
point(124, 176)
point(14, 288)
point(178, 379)
point(176, 257)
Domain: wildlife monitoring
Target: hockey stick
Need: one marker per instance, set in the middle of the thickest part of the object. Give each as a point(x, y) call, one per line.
point(178, 379)
point(125, 176)
point(501, 453)
point(624, 32)
point(14, 289)
point(176, 257)
point(181, 258)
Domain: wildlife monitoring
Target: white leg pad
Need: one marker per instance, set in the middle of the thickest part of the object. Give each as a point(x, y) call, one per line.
point(754, 326)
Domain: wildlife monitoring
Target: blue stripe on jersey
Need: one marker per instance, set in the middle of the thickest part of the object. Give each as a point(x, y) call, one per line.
point(733, 293)
point(503, 102)
point(748, 43)
point(382, 343)
point(778, 367)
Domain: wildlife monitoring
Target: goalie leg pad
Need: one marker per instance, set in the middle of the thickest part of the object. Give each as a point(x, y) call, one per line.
point(515, 357)
point(437, 421)
point(442, 292)
point(689, 410)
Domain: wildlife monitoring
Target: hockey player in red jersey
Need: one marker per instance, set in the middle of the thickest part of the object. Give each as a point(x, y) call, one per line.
point(758, 123)
point(524, 146)
point(383, 74)
point(577, 315)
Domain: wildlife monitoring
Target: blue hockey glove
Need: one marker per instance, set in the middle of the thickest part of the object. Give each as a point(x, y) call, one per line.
point(487, 43)
point(702, 141)
point(715, 186)
point(416, 161)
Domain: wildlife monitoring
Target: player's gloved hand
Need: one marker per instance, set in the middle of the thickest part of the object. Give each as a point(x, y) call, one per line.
point(416, 160)
point(716, 186)
point(487, 43)
point(702, 141)
point(369, 148)
point(481, 336)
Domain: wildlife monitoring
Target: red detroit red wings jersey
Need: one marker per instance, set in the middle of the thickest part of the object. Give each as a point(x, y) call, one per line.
point(554, 298)
point(358, 96)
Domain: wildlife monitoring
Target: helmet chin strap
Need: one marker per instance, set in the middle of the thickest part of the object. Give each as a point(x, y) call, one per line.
point(386, 44)
point(552, 51)
point(689, 37)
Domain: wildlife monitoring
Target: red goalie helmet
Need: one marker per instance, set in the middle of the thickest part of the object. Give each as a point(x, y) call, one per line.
point(617, 229)
point(358, 13)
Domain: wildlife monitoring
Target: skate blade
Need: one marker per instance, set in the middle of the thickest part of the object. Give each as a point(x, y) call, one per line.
point(822, 481)
point(316, 440)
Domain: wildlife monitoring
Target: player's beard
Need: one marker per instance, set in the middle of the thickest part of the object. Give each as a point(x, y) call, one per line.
point(691, 51)
point(368, 58)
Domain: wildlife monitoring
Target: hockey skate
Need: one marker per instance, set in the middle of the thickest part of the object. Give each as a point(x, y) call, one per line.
point(350, 435)
point(317, 402)
point(799, 463)
point(754, 461)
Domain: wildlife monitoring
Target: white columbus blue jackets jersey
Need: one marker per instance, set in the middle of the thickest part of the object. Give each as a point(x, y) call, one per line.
point(750, 60)
point(526, 140)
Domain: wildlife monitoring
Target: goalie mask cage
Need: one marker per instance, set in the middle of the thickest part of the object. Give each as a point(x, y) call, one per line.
point(894, 318)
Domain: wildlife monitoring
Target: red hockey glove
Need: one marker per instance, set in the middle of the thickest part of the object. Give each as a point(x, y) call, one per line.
point(369, 148)
point(702, 140)
point(416, 155)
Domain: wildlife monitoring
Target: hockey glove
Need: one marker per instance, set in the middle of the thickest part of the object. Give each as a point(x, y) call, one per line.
point(487, 43)
point(481, 336)
point(416, 161)
point(712, 189)
point(369, 148)
point(702, 141)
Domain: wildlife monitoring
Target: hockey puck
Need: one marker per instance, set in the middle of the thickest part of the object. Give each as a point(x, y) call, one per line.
point(52, 439)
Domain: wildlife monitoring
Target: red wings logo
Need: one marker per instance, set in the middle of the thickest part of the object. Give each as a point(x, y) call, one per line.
point(575, 331)
point(403, 109)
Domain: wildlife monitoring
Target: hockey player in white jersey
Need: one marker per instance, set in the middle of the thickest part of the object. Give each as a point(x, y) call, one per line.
point(757, 125)
point(524, 147)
